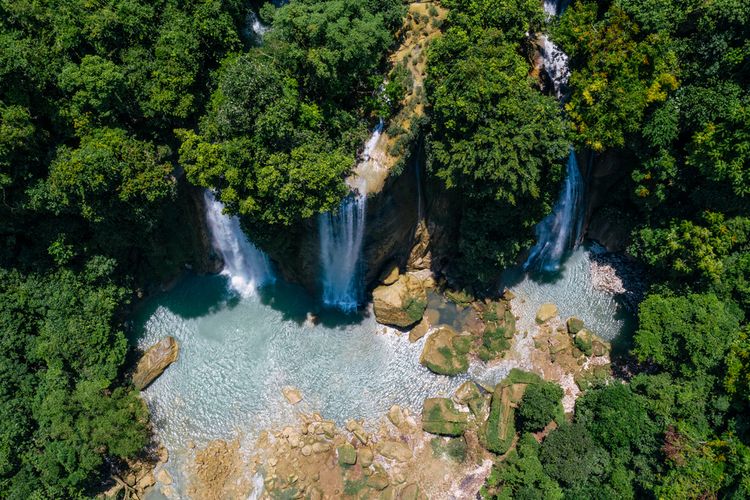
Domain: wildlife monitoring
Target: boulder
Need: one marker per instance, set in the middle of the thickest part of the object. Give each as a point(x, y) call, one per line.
point(401, 304)
point(378, 481)
point(347, 454)
point(395, 450)
point(444, 356)
point(396, 415)
point(409, 492)
point(546, 312)
point(163, 477)
point(575, 325)
point(292, 395)
point(439, 416)
point(154, 361)
point(390, 277)
point(584, 340)
point(420, 330)
point(468, 394)
point(599, 347)
point(365, 456)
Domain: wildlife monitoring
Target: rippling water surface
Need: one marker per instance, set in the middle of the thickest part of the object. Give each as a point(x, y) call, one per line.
point(236, 354)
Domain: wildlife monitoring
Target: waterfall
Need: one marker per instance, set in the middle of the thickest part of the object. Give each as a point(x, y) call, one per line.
point(560, 231)
point(555, 63)
point(247, 267)
point(341, 236)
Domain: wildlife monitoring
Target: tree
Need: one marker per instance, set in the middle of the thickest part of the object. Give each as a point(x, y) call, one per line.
point(521, 475)
point(540, 405)
point(689, 335)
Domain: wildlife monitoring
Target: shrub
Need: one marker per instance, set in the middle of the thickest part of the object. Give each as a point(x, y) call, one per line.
point(540, 404)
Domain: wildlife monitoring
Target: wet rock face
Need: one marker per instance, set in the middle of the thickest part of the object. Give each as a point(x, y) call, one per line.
point(154, 361)
point(390, 222)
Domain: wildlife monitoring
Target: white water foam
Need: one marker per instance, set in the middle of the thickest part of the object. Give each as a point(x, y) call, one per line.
point(247, 267)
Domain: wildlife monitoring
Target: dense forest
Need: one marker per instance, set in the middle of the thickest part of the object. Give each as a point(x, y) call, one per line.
point(111, 112)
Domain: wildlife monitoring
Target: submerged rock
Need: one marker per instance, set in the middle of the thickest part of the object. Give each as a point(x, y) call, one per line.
point(439, 416)
point(154, 361)
point(546, 312)
point(292, 395)
point(445, 352)
point(402, 303)
point(420, 330)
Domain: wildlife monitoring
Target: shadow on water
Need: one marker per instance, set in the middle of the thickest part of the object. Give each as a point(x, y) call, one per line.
point(194, 296)
point(296, 304)
point(515, 275)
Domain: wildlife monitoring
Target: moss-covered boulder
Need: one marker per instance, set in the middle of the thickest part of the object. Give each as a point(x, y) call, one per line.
point(347, 454)
point(445, 352)
point(440, 416)
point(402, 303)
point(593, 377)
point(469, 394)
point(499, 430)
point(575, 325)
point(584, 340)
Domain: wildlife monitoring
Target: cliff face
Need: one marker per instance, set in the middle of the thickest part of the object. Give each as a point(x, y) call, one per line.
point(390, 222)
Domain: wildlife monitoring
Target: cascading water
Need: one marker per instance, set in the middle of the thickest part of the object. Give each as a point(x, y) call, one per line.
point(341, 236)
point(247, 267)
point(560, 231)
point(555, 63)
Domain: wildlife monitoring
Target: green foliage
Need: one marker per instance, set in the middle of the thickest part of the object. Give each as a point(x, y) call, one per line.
point(521, 475)
point(494, 137)
point(620, 71)
point(570, 455)
point(686, 249)
point(540, 405)
point(61, 355)
point(688, 336)
point(282, 129)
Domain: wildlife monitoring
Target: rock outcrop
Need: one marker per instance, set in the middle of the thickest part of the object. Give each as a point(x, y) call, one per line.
point(402, 303)
point(440, 416)
point(445, 352)
point(154, 361)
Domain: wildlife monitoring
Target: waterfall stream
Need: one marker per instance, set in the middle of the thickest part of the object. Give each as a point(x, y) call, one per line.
point(560, 231)
point(341, 235)
point(247, 267)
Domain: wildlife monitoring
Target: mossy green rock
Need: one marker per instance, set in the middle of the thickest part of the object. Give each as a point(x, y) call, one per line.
point(575, 325)
point(593, 377)
point(402, 303)
point(347, 454)
point(584, 340)
point(440, 416)
point(440, 354)
point(498, 431)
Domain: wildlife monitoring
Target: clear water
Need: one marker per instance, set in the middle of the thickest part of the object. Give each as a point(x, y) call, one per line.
point(571, 290)
point(238, 352)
